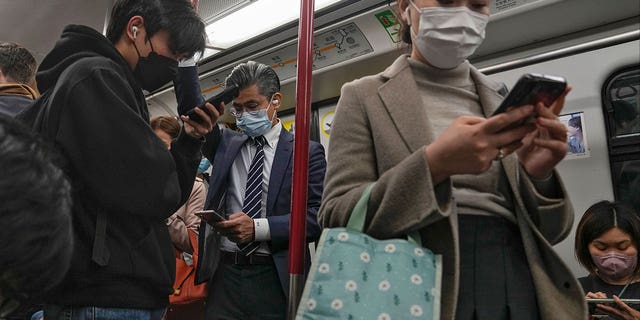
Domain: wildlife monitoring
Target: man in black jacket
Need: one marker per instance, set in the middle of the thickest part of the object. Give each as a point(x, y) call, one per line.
point(125, 182)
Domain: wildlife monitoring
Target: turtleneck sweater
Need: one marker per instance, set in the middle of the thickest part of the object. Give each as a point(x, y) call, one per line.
point(447, 95)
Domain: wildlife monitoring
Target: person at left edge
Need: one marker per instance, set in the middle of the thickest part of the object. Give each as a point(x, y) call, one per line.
point(17, 78)
point(125, 181)
point(245, 284)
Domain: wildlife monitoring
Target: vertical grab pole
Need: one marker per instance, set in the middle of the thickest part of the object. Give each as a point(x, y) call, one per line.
point(297, 231)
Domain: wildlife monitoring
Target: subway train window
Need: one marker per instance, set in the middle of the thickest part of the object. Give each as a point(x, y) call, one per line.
point(624, 97)
point(621, 100)
point(626, 175)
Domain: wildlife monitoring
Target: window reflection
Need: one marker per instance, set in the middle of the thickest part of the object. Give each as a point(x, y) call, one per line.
point(628, 178)
point(625, 100)
point(622, 113)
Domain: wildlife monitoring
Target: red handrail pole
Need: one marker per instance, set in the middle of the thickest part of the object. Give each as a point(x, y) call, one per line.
point(297, 231)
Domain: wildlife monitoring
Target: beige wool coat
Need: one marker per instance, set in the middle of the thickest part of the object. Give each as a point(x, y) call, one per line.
point(379, 134)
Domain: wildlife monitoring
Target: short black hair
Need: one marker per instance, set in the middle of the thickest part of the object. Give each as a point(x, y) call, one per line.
point(17, 63)
point(186, 30)
point(249, 73)
point(600, 218)
point(35, 207)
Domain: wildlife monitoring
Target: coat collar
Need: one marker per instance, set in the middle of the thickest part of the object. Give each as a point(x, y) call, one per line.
point(17, 89)
point(284, 151)
point(402, 101)
point(488, 91)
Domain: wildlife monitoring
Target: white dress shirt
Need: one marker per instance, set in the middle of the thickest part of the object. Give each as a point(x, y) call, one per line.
point(238, 181)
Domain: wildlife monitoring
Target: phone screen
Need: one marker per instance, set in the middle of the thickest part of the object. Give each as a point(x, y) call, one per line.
point(633, 303)
point(225, 96)
point(532, 88)
point(210, 216)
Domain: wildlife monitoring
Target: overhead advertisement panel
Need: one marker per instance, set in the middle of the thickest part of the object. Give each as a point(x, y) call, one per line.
point(332, 46)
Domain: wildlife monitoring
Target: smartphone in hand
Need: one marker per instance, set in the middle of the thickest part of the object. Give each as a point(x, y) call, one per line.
point(633, 303)
point(532, 88)
point(210, 216)
point(225, 96)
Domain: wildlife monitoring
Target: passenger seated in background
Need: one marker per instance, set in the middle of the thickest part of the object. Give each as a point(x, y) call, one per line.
point(607, 242)
point(126, 184)
point(35, 213)
point(17, 78)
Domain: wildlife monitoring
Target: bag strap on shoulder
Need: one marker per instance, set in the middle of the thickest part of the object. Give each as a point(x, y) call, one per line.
point(359, 214)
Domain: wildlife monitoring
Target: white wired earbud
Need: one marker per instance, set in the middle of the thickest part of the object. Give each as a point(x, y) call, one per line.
point(134, 30)
point(276, 101)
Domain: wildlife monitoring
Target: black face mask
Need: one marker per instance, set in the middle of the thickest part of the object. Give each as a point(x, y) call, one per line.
point(154, 70)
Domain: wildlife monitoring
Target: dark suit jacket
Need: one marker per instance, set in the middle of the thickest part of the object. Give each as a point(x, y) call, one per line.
point(278, 200)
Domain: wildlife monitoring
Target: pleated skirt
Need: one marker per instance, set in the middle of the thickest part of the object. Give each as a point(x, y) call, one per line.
point(495, 280)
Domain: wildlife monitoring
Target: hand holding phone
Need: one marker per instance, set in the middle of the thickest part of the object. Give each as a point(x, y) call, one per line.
point(531, 89)
point(225, 96)
point(632, 305)
point(210, 216)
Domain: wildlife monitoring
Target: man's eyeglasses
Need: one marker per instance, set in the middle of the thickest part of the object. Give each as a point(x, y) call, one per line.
point(237, 110)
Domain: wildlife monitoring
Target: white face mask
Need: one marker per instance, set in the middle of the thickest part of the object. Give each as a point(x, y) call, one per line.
point(447, 36)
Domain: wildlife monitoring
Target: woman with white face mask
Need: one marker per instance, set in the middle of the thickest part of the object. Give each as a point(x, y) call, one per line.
point(483, 195)
point(607, 246)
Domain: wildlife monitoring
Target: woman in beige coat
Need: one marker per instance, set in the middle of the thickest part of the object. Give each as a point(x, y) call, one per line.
point(484, 196)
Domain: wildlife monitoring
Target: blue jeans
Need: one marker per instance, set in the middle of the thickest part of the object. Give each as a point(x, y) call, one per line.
point(98, 313)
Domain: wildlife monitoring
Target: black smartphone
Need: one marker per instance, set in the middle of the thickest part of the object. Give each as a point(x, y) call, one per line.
point(633, 303)
point(210, 216)
point(228, 94)
point(532, 88)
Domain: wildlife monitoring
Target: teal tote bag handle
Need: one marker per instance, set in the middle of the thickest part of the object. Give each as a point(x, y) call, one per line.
point(359, 214)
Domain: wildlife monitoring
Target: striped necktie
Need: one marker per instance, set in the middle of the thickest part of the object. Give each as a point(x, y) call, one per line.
point(253, 192)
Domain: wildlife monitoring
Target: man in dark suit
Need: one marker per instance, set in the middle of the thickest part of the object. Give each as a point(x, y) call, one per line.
point(245, 258)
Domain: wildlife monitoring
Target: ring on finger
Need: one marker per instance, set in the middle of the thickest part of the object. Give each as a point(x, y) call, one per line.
point(501, 154)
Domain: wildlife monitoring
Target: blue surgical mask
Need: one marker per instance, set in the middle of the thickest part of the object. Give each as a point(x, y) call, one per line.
point(255, 123)
point(204, 165)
